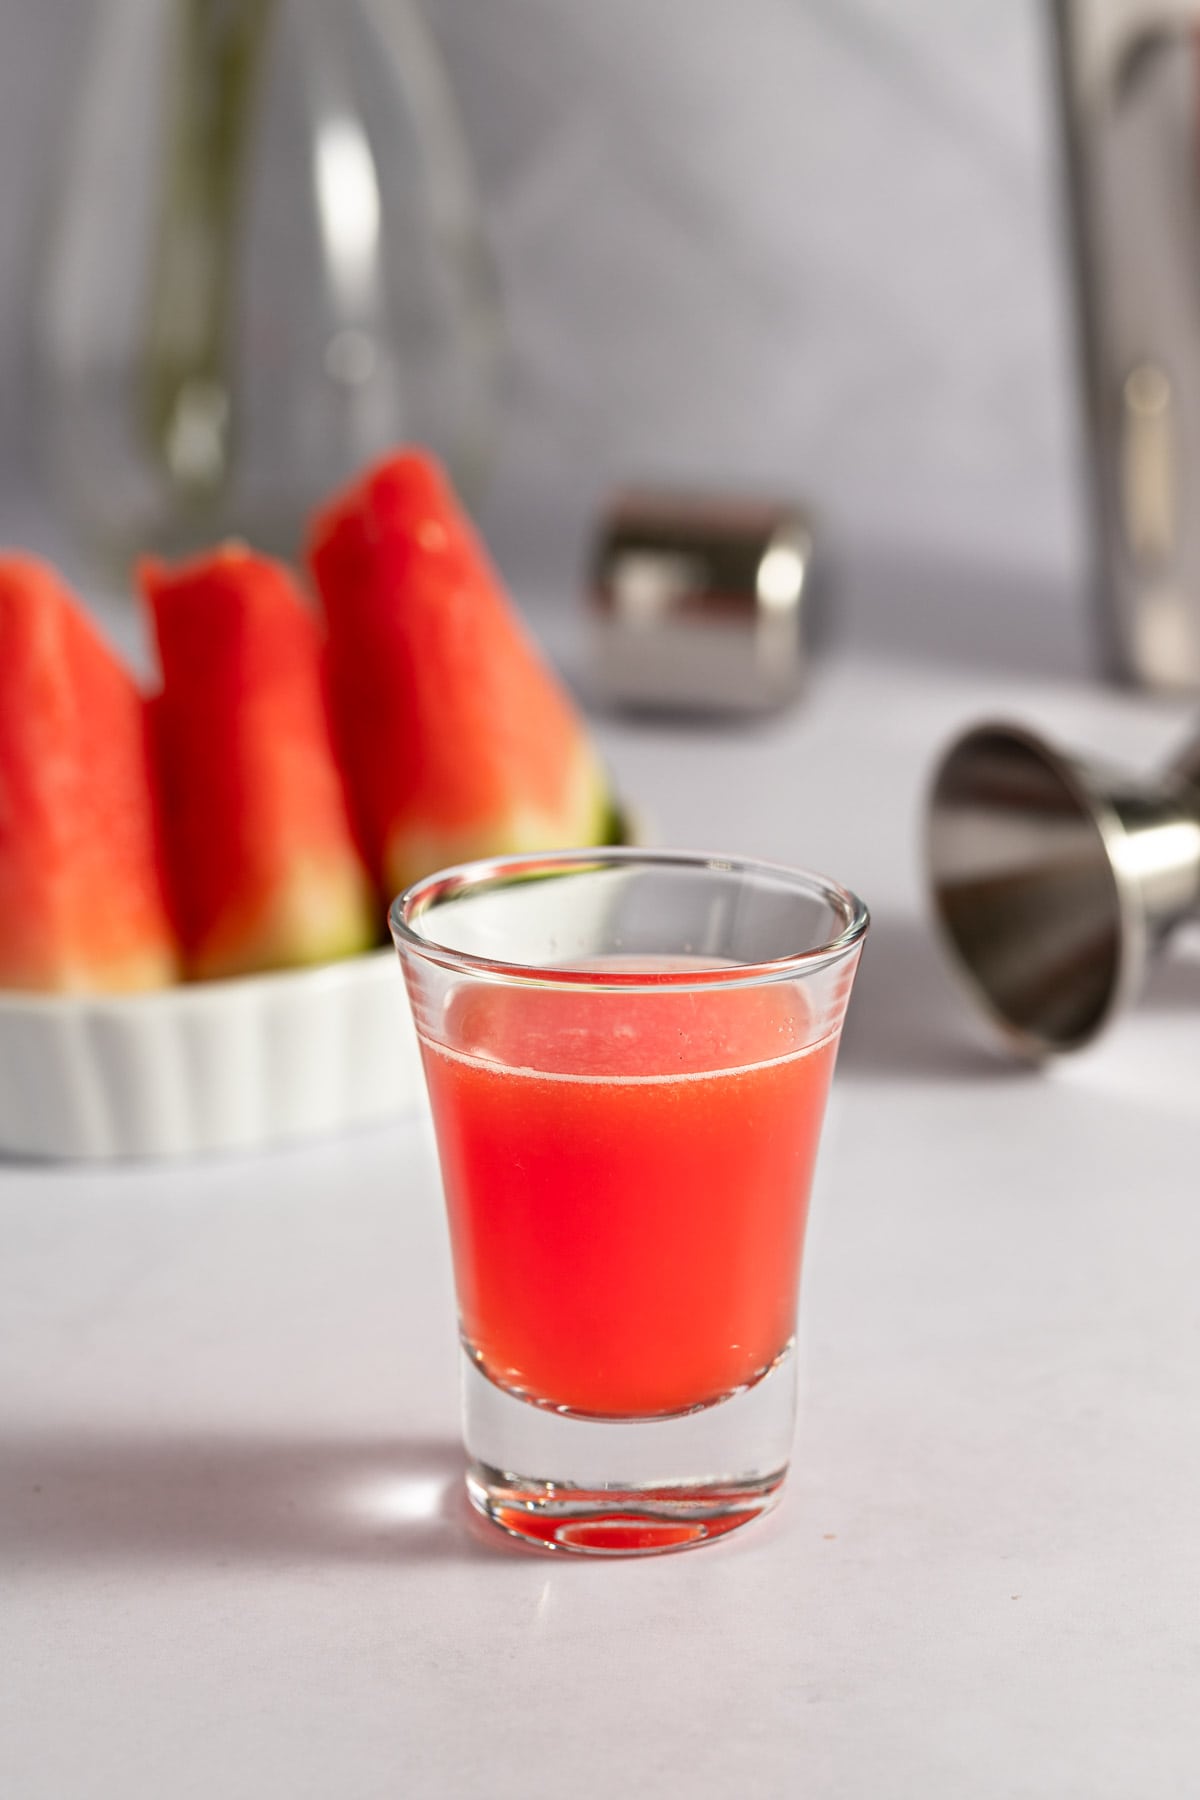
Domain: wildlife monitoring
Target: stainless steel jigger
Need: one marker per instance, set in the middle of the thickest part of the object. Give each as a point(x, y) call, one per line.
point(1056, 881)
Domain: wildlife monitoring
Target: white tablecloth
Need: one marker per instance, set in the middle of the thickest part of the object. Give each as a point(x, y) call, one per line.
point(234, 1552)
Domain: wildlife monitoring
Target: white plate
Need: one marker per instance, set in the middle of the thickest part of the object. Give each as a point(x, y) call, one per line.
point(222, 1065)
point(218, 1065)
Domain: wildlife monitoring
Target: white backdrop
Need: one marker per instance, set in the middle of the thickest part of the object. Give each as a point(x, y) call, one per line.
point(810, 244)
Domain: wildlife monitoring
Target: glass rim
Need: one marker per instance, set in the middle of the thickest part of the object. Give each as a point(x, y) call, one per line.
point(459, 879)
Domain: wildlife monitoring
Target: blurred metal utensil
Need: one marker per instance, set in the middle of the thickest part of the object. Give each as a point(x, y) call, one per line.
point(701, 604)
point(1129, 84)
point(1055, 881)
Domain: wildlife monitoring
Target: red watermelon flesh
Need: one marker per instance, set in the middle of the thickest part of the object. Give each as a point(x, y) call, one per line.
point(457, 740)
point(82, 904)
point(263, 865)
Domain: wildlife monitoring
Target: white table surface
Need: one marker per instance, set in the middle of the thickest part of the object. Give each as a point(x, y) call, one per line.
point(234, 1554)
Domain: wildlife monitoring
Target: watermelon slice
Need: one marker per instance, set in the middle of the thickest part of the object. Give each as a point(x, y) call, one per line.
point(456, 739)
point(82, 904)
point(263, 865)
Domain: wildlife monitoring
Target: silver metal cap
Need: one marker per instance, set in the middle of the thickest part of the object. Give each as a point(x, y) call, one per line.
point(701, 603)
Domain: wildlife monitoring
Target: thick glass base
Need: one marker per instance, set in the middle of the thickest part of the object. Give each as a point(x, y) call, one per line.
point(627, 1487)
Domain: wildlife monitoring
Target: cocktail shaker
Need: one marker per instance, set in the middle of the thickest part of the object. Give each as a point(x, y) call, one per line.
point(1129, 80)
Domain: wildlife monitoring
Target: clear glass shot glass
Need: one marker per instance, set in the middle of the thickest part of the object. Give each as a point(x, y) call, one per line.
point(628, 1054)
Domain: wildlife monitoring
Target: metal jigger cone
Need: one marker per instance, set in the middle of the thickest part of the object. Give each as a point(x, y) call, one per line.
point(1055, 882)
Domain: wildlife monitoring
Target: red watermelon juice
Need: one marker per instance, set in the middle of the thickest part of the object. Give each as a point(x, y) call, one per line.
point(627, 1182)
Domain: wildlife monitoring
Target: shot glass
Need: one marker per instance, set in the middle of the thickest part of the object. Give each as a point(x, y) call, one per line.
point(628, 1055)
